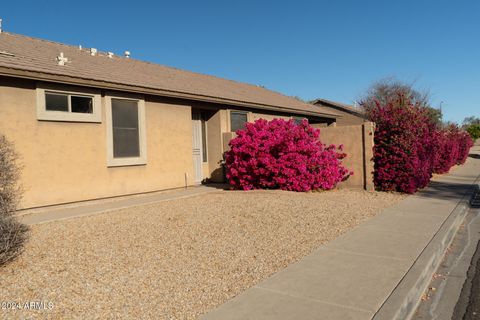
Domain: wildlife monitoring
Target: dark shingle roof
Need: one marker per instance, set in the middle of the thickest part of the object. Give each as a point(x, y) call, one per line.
point(36, 55)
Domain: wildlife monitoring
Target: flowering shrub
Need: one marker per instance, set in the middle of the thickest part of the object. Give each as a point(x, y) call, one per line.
point(280, 154)
point(402, 159)
point(465, 142)
point(447, 151)
point(409, 147)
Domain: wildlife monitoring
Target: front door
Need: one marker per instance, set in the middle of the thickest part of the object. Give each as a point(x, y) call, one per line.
point(197, 146)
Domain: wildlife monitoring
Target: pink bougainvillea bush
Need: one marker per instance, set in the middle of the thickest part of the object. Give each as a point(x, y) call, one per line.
point(465, 142)
point(409, 147)
point(281, 154)
point(447, 151)
point(402, 159)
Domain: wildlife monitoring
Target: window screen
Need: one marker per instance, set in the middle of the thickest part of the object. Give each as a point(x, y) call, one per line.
point(82, 104)
point(56, 102)
point(125, 128)
point(237, 120)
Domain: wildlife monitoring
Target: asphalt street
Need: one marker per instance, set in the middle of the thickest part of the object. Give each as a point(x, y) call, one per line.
point(468, 305)
point(454, 291)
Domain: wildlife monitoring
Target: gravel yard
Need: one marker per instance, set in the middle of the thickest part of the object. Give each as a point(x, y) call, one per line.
point(176, 259)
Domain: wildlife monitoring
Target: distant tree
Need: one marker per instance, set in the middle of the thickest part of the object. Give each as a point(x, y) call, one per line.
point(471, 120)
point(299, 99)
point(474, 131)
point(472, 126)
point(388, 90)
point(434, 114)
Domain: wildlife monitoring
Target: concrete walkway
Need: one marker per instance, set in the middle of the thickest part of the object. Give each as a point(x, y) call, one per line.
point(379, 270)
point(73, 210)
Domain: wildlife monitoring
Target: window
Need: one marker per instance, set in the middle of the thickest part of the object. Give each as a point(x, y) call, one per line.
point(68, 103)
point(204, 138)
point(237, 120)
point(298, 119)
point(75, 105)
point(56, 102)
point(81, 104)
point(125, 128)
point(125, 131)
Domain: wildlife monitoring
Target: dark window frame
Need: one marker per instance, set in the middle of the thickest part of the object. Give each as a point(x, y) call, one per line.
point(236, 112)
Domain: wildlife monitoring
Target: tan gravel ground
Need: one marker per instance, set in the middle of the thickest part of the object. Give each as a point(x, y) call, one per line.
point(176, 259)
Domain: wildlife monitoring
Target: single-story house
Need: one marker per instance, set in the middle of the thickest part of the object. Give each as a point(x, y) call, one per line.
point(90, 125)
point(350, 115)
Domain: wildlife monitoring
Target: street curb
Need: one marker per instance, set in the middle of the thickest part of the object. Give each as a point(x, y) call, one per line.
point(405, 298)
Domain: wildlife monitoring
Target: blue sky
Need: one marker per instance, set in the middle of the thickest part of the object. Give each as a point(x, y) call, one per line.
point(310, 49)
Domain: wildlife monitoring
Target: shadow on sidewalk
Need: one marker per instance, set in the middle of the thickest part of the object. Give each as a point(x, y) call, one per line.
point(448, 190)
point(474, 155)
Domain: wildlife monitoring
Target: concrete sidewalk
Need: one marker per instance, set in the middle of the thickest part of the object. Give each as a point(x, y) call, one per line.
point(379, 270)
point(73, 210)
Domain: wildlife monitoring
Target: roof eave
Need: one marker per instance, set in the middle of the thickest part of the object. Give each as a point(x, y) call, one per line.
point(44, 76)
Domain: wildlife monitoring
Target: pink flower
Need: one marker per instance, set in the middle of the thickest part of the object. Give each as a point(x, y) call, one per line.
point(280, 154)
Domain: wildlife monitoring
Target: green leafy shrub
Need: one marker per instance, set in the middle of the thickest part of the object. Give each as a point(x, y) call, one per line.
point(474, 131)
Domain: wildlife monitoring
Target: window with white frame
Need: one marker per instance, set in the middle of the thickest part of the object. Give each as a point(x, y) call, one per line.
point(73, 105)
point(125, 131)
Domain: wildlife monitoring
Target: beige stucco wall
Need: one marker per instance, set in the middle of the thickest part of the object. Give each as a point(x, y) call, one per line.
point(216, 125)
point(357, 143)
point(66, 162)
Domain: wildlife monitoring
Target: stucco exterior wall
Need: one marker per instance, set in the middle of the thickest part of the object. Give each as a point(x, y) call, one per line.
point(357, 143)
point(216, 125)
point(66, 162)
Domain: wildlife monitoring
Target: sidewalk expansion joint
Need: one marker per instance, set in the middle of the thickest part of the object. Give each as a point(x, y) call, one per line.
point(313, 299)
point(365, 254)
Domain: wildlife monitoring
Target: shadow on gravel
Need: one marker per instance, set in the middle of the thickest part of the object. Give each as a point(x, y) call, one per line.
point(220, 186)
point(447, 190)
